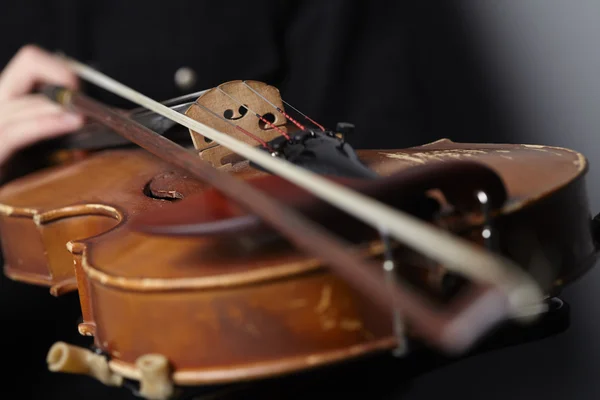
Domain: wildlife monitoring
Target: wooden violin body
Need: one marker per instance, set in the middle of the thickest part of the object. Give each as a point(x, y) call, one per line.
point(167, 310)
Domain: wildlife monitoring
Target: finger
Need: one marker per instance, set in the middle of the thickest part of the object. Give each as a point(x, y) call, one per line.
point(24, 132)
point(26, 107)
point(30, 66)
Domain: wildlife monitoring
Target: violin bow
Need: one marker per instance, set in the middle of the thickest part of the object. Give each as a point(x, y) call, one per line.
point(502, 288)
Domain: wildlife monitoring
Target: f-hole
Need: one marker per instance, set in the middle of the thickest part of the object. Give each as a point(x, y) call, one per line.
point(268, 117)
point(229, 114)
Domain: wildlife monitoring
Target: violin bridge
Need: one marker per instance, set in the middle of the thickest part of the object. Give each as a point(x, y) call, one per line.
point(232, 108)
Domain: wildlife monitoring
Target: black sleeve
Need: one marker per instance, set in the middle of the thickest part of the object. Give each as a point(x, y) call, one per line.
point(404, 72)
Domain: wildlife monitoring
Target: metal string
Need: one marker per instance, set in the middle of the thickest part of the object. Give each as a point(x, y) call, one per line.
point(255, 113)
point(304, 115)
point(284, 113)
point(275, 106)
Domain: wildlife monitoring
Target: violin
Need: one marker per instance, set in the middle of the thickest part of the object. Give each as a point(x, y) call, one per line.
point(270, 246)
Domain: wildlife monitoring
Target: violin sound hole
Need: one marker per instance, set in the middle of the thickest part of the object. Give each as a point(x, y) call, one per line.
point(171, 186)
point(169, 195)
point(270, 117)
point(230, 114)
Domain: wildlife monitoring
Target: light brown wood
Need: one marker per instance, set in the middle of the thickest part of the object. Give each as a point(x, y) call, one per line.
point(220, 103)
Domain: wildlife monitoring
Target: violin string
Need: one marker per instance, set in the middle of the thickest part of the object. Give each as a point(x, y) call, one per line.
point(244, 131)
point(456, 253)
point(304, 115)
point(255, 113)
point(275, 106)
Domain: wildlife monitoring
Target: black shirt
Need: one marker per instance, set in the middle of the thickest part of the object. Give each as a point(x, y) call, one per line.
point(405, 73)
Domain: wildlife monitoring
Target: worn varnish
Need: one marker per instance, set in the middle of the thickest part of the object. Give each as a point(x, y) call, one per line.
point(233, 295)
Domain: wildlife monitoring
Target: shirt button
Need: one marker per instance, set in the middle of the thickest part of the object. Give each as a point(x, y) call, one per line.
point(185, 78)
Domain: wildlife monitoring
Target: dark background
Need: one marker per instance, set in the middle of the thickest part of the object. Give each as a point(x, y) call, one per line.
point(406, 73)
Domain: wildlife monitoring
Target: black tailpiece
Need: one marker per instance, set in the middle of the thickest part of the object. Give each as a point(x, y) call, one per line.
point(320, 152)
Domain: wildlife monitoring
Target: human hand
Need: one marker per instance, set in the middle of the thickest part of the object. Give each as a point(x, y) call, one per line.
point(26, 118)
